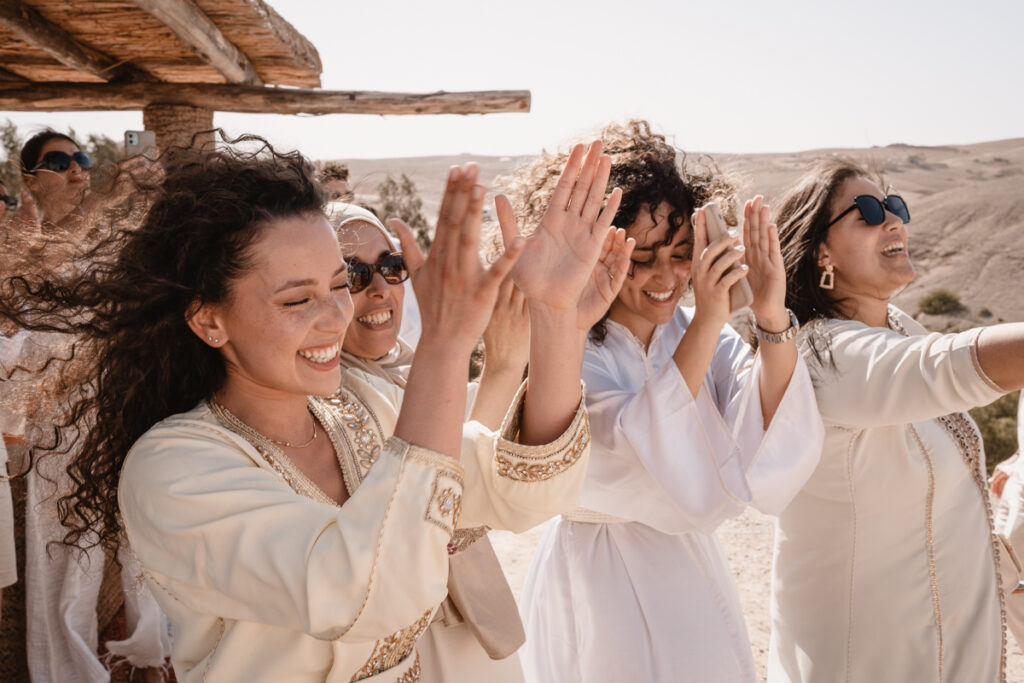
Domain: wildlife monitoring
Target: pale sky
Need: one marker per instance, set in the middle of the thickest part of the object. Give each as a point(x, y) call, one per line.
point(721, 76)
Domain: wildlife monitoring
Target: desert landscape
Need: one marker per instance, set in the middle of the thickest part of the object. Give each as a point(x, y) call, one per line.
point(966, 236)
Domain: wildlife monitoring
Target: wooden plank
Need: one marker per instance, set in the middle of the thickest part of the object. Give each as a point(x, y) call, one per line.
point(29, 25)
point(253, 99)
point(301, 49)
point(6, 75)
point(194, 28)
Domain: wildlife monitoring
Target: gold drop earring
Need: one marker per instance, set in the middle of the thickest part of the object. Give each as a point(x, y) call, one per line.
point(828, 277)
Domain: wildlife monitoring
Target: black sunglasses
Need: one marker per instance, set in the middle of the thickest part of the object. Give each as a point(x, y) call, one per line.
point(872, 210)
point(61, 161)
point(391, 267)
point(11, 202)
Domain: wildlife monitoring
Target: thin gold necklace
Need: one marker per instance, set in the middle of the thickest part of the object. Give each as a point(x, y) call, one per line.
point(248, 429)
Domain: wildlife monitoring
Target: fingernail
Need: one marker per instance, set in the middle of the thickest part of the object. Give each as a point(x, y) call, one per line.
point(740, 247)
point(453, 173)
point(744, 266)
point(733, 234)
point(478, 191)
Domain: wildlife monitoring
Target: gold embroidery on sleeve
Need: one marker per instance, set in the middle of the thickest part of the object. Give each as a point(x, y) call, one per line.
point(516, 466)
point(392, 651)
point(538, 463)
point(445, 502)
point(359, 421)
point(463, 538)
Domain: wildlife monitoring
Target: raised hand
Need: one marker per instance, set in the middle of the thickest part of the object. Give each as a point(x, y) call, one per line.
point(456, 292)
point(767, 275)
point(710, 274)
point(560, 255)
point(507, 336)
point(606, 278)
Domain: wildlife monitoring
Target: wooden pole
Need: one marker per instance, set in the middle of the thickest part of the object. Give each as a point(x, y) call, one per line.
point(176, 125)
point(252, 99)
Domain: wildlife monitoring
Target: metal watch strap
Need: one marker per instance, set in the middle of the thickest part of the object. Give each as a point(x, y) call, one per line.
point(778, 337)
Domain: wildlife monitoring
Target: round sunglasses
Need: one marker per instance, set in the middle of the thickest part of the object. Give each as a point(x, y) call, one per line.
point(58, 162)
point(11, 202)
point(872, 209)
point(391, 267)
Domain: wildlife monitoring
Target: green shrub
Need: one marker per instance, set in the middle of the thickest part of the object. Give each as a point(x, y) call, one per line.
point(939, 301)
point(998, 424)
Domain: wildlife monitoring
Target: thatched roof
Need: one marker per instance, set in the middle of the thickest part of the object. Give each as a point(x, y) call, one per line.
point(126, 33)
point(218, 55)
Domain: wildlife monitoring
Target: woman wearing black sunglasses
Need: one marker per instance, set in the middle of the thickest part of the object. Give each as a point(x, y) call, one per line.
point(56, 172)
point(477, 631)
point(886, 567)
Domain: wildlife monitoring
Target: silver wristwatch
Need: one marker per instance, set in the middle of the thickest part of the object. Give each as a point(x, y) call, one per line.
point(778, 337)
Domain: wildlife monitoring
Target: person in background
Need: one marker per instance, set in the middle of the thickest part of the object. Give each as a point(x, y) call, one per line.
point(334, 179)
point(886, 566)
point(56, 172)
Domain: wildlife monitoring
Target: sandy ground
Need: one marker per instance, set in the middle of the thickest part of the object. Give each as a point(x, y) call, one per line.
point(748, 543)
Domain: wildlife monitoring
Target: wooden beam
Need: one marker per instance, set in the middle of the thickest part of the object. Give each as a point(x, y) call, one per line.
point(194, 28)
point(302, 51)
point(6, 75)
point(29, 25)
point(252, 99)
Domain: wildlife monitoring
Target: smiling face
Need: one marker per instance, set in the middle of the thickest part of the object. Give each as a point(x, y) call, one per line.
point(281, 328)
point(871, 262)
point(378, 308)
point(659, 276)
point(58, 188)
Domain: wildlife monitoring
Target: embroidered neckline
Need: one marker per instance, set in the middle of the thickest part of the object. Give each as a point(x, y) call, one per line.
point(279, 460)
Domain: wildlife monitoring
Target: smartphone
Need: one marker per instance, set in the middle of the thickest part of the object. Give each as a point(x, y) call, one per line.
point(138, 142)
point(740, 295)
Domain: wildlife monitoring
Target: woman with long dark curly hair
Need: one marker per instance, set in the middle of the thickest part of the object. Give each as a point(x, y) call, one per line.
point(281, 542)
point(886, 564)
point(689, 428)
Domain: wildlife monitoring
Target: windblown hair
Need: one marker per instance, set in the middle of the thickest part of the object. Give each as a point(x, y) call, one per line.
point(134, 360)
point(802, 217)
point(30, 151)
point(333, 170)
point(649, 171)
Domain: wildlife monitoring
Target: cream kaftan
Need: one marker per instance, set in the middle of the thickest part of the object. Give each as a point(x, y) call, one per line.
point(884, 566)
point(635, 587)
point(265, 579)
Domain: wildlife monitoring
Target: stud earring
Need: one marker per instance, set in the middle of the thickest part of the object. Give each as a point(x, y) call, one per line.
point(828, 277)
point(212, 340)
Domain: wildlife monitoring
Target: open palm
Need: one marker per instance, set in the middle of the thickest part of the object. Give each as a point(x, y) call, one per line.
point(767, 276)
point(559, 258)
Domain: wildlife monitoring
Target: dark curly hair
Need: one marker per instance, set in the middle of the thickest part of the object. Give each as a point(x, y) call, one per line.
point(649, 171)
point(135, 361)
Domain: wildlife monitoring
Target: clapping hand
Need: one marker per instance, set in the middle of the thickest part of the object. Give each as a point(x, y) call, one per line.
point(455, 290)
point(562, 261)
point(767, 276)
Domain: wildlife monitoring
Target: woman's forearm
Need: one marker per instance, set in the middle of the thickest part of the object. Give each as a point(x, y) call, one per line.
point(695, 351)
point(1001, 354)
point(498, 386)
point(434, 402)
point(556, 362)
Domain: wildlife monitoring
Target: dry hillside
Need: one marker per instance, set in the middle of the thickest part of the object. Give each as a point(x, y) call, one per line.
point(967, 204)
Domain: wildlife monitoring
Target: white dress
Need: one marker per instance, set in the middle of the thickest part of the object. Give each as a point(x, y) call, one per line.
point(634, 586)
point(884, 566)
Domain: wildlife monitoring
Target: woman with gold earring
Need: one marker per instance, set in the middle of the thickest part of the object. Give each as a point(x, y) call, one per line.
point(886, 565)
